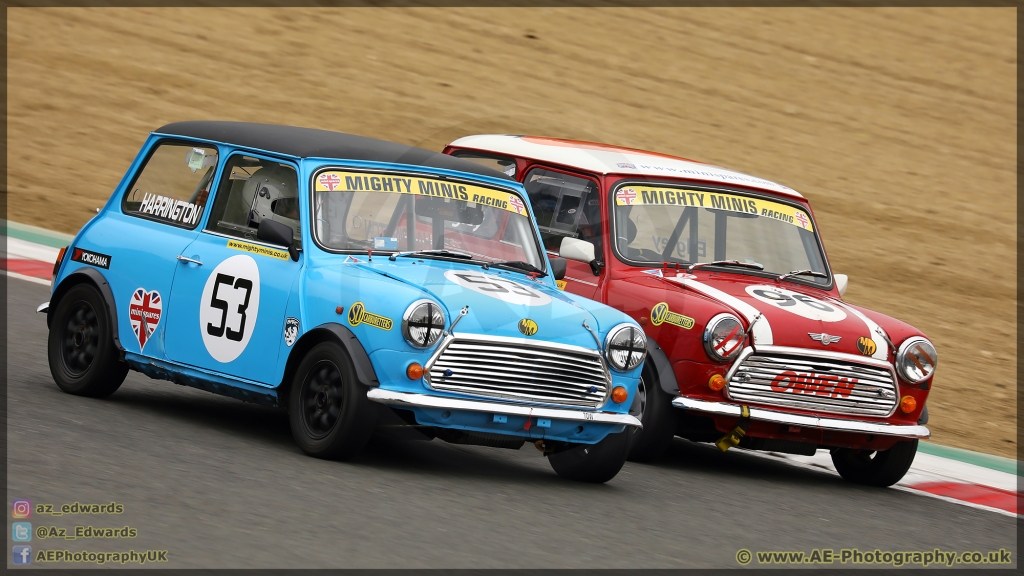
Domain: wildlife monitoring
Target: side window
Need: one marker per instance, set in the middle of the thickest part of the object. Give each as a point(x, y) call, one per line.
point(500, 164)
point(252, 190)
point(564, 206)
point(173, 185)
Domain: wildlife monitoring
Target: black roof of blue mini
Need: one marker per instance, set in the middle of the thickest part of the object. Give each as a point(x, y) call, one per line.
point(313, 143)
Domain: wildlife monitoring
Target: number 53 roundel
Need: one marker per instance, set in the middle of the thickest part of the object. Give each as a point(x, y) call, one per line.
point(230, 302)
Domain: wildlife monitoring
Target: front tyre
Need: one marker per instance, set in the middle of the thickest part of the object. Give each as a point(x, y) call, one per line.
point(329, 413)
point(80, 347)
point(871, 468)
point(596, 463)
point(654, 409)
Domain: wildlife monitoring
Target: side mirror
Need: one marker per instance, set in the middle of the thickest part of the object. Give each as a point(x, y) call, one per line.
point(575, 249)
point(274, 232)
point(581, 251)
point(842, 280)
point(557, 267)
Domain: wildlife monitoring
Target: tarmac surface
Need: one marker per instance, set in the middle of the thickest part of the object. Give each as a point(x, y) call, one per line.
point(220, 483)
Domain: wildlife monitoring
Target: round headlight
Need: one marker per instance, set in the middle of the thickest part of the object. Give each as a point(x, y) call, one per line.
point(626, 347)
point(423, 323)
point(916, 360)
point(723, 337)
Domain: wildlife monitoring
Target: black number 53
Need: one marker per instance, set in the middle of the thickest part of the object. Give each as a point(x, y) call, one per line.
point(222, 330)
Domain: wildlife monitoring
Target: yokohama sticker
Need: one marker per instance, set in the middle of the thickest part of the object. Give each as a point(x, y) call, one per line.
point(797, 303)
point(497, 287)
point(144, 313)
point(229, 306)
point(92, 258)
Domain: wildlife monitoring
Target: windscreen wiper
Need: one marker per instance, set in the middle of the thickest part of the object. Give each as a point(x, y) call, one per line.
point(520, 265)
point(753, 265)
point(446, 253)
point(801, 273)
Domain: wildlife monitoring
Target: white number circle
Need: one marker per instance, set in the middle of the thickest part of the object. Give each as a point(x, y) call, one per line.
point(797, 303)
point(228, 309)
point(497, 287)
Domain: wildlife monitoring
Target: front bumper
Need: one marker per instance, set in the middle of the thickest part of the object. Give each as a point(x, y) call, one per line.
point(410, 400)
point(831, 424)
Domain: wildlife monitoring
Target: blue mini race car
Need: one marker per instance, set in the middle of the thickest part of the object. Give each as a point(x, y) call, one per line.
point(347, 280)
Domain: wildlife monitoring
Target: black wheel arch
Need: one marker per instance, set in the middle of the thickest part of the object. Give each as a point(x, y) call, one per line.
point(327, 333)
point(661, 367)
point(86, 275)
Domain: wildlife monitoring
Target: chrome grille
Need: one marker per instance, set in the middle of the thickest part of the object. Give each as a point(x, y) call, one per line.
point(822, 384)
point(508, 368)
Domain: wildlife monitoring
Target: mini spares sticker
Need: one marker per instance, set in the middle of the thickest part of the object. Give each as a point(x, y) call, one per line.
point(334, 181)
point(634, 195)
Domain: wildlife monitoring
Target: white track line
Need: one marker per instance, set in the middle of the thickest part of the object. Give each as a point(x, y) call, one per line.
point(822, 462)
point(29, 278)
point(30, 250)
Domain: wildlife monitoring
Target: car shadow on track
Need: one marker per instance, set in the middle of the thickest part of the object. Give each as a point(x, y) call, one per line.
point(391, 450)
point(702, 459)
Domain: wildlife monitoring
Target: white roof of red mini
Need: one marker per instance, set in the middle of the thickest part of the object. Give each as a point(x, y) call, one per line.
point(607, 159)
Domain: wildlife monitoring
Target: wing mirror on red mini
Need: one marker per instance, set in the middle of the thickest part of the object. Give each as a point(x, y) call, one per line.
point(842, 280)
point(581, 251)
point(274, 232)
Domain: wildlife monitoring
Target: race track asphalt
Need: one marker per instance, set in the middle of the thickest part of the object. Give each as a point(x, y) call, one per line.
point(219, 483)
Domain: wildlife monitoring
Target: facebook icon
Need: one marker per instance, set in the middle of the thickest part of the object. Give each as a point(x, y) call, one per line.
point(22, 555)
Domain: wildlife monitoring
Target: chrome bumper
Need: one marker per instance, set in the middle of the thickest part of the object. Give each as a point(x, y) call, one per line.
point(834, 424)
point(401, 399)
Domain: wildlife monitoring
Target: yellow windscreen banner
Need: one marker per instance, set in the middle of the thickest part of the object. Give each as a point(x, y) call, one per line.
point(654, 196)
point(333, 181)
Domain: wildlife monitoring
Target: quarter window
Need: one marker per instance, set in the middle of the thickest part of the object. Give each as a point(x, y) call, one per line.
point(174, 184)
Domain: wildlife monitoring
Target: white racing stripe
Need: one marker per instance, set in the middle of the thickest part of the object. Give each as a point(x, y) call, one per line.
point(881, 347)
point(762, 330)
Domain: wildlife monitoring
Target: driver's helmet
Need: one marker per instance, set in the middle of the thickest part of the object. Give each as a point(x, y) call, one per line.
point(271, 194)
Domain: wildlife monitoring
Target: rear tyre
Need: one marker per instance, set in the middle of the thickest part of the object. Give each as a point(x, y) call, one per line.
point(654, 409)
point(80, 347)
point(871, 468)
point(328, 410)
point(596, 463)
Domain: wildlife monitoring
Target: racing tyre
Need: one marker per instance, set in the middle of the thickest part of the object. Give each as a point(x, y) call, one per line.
point(80, 347)
point(883, 468)
point(596, 463)
point(328, 410)
point(654, 409)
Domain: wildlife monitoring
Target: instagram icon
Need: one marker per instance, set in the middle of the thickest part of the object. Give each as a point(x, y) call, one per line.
point(21, 509)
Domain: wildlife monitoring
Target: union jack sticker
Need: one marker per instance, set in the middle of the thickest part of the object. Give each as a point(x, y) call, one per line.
point(626, 196)
point(329, 181)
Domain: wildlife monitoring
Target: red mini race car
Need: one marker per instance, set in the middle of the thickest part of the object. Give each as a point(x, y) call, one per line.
point(749, 340)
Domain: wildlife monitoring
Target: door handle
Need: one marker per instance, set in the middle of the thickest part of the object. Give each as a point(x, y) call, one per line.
point(186, 259)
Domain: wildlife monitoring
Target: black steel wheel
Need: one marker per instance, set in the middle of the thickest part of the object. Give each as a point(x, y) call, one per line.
point(80, 348)
point(328, 410)
point(595, 463)
point(653, 407)
point(875, 468)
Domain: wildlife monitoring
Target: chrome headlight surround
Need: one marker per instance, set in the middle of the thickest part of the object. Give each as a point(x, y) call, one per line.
point(723, 337)
point(423, 323)
point(625, 347)
point(916, 359)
